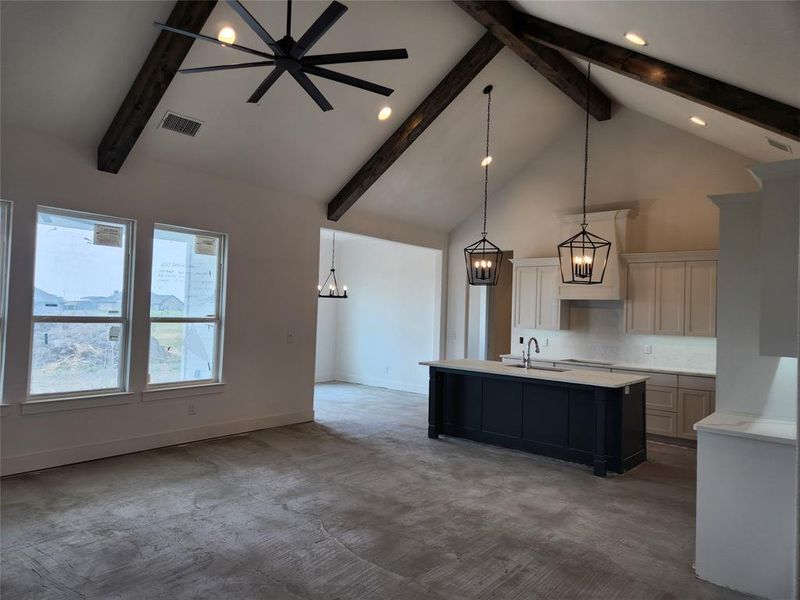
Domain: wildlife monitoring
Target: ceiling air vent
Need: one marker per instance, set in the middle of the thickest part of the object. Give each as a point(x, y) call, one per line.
point(178, 124)
point(780, 145)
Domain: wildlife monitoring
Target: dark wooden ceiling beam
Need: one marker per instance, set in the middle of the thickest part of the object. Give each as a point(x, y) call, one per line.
point(764, 112)
point(151, 83)
point(431, 107)
point(502, 19)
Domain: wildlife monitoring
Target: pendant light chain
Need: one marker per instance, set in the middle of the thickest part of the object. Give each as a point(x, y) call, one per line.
point(333, 252)
point(486, 168)
point(586, 141)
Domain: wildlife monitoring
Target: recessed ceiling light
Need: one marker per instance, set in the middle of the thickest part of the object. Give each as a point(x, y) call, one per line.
point(635, 38)
point(226, 35)
point(486, 161)
point(385, 113)
point(698, 121)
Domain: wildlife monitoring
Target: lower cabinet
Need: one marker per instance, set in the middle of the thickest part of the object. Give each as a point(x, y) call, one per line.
point(693, 405)
point(676, 402)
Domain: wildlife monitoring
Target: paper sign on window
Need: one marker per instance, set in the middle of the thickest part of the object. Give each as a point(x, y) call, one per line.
point(205, 244)
point(107, 235)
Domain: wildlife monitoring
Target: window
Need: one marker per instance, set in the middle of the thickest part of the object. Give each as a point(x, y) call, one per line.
point(186, 299)
point(5, 247)
point(80, 304)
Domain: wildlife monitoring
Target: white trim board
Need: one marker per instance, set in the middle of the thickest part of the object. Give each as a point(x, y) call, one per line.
point(402, 386)
point(11, 465)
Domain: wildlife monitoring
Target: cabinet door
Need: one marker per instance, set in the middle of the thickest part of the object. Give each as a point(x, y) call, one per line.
point(525, 280)
point(693, 405)
point(661, 422)
point(547, 301)
point(662, 398)
point(640, 304)
point(701, 298)
point(670, 281)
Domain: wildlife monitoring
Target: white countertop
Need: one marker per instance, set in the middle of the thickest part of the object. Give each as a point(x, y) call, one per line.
point(580, 377)
point(627, 366)
point(749, 426)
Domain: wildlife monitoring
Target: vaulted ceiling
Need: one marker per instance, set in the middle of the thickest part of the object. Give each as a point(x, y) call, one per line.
point(66, 66)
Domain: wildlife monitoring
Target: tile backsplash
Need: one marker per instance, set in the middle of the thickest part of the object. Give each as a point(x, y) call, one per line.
point(597, 332)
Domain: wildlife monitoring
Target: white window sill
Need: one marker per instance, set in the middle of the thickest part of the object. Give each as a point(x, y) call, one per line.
point(182, 391)
point(50, 405)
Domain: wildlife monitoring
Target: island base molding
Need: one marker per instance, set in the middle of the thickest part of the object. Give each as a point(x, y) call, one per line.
point(603, 428)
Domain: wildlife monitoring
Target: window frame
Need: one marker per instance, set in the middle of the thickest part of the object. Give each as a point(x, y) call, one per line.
point(124, 318)
point(6, 215)
point(218, 319)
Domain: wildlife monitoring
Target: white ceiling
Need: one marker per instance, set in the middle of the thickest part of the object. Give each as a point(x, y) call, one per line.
point(66, 67)
point(754, 45)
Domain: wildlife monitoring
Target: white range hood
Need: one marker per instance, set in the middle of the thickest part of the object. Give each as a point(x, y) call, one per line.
point(612, 225)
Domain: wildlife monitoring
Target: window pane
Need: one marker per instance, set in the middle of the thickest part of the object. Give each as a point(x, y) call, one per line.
point(80, 266)
point(74, 357)
point(184, 279)
point(182, 352)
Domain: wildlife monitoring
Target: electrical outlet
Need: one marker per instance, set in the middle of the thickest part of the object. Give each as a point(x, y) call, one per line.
point(386, 370)
point(546, 342)
point(648, 349)
point(191, 411)
point(289, 338)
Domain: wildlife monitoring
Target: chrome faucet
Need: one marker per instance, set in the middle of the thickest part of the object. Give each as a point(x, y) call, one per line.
point(526, 358)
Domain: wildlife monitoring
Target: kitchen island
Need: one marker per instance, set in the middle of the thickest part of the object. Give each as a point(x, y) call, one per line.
point(587, 417)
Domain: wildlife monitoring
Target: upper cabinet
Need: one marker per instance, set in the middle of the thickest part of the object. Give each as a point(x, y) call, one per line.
point(671, 293)
point(536, 304)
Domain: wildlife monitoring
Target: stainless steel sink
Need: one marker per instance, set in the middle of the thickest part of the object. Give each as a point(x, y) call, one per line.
point(554, 369)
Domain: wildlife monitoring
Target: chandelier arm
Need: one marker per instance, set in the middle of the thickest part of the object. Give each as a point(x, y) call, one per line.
point(289, 18)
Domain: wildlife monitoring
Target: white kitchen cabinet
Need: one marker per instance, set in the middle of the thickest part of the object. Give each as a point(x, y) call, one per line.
point(536, 304)
point(640, 304)
point(701, 298)
point(669, 295)
point(669, 298)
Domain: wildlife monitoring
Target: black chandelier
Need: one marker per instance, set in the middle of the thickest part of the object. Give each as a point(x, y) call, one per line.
point(483, 257)
point(332, 288)
point(585, 255)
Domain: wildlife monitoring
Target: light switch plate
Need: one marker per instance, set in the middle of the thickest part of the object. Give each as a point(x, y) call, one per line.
point(648, 349)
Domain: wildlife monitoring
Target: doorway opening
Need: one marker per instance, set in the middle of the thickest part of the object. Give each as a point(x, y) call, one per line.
point(391, 319)
point(489, 315)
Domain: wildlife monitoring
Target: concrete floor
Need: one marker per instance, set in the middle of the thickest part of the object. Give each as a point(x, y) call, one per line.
point(360, 504)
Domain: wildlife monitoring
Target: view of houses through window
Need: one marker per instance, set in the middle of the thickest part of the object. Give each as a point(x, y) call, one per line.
point(185, 306)
point(80, 303)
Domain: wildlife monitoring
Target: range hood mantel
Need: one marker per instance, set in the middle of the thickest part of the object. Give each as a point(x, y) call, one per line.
point(614, 226)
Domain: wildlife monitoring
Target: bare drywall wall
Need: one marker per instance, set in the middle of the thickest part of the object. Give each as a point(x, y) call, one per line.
point(635, 162)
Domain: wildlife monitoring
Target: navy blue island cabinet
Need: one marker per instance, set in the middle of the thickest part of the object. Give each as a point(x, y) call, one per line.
point(600, 426)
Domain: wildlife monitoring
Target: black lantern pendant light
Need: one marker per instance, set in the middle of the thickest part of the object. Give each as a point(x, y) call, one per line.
point(330, 286)
point(584, 256)
point(483, 257)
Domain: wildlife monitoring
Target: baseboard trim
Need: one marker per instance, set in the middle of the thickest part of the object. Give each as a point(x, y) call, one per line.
point(12, 465)
point(401, 386)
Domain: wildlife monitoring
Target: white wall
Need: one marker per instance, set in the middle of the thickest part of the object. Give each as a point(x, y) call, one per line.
point(268, 380)
point(746, 381)
point(635, 162)
point(391, 320)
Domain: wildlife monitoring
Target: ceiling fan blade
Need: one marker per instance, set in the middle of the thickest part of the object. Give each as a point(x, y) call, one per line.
point(263, 63)
point(318, 28)
point(354, 81)
point(256, 26)
point(265, 85)
point(351, 57)
point(311, 90)
point(205, 38)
